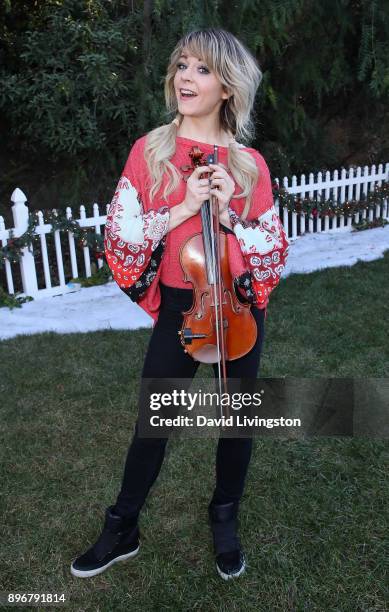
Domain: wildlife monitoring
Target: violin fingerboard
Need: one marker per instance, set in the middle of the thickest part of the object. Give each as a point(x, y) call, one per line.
point(213, 158)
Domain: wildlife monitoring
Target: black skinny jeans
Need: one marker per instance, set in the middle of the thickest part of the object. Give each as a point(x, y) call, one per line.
point(165, 358)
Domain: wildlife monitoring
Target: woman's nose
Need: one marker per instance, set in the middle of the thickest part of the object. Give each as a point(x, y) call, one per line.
point(188, 76)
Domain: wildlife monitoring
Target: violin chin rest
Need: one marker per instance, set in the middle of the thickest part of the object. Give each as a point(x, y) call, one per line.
point(208, 353)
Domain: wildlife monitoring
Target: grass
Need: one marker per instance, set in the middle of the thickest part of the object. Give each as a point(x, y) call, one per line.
point(314, 515)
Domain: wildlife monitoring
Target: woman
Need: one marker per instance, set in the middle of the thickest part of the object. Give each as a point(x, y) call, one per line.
point(210, 86)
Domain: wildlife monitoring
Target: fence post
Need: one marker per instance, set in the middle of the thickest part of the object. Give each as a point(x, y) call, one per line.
point(27, 263)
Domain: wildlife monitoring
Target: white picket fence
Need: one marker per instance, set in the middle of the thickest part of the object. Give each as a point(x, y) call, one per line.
point(349, 186)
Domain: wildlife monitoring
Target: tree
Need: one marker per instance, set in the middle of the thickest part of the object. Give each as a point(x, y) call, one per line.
point(80, 80)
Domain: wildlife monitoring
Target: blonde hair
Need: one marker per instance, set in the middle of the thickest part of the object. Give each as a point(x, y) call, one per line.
point(240, 76)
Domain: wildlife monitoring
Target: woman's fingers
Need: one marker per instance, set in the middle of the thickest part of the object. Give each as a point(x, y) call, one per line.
point(206, 182)
point(200, 169)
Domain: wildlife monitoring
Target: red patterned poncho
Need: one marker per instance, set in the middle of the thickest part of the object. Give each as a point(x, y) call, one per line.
point(141, 252)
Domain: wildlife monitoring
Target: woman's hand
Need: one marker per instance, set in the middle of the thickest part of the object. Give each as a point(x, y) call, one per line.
point(197, 190)
point(222, 186)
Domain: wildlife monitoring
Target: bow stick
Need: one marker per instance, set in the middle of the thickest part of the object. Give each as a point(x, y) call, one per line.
point(217, 288)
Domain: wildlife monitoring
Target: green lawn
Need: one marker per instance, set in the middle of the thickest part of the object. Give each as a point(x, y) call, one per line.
point(315, 513)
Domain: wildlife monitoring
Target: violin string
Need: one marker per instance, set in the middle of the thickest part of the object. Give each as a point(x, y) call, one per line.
point(207, 241)
point(215, 298)
point(221, 348)
point(219, 286)
point(214, 205)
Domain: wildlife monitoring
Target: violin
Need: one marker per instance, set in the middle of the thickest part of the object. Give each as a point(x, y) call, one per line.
point(218, 327)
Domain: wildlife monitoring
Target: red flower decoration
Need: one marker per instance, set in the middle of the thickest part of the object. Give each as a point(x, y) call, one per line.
point(197, 157)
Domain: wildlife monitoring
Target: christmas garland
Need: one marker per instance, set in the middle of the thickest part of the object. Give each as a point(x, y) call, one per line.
point(330, 207)
point(13, 250)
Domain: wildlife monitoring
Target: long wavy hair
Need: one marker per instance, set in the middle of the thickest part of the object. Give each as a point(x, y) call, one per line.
point(240, 75)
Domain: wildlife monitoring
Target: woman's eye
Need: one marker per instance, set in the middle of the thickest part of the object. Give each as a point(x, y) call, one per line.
point(206, 71)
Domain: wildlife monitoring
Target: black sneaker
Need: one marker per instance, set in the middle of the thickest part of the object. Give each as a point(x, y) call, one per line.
point(231, 565)
point(230, 559)
point(118, 541)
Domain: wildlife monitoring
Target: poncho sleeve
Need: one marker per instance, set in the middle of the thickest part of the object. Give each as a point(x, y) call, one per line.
point(262, 240)
point(135, 232)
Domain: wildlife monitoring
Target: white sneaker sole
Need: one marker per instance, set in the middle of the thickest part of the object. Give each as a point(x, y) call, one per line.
point(228, 576)
point(99, 570)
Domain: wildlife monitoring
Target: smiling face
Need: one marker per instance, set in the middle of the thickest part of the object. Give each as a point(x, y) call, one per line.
point(192, 74)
